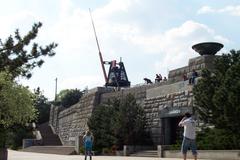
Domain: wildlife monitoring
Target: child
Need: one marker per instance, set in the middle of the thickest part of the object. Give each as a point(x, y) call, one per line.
point(88, 143)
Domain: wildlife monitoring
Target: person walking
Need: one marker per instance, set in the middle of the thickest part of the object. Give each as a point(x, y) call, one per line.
point(189, 135)
point(88, 143)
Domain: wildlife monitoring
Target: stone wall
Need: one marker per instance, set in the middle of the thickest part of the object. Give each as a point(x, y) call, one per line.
point(139, 93)
point(72, 122)
point(197, 63)
point(160, 101)
point(171, 100)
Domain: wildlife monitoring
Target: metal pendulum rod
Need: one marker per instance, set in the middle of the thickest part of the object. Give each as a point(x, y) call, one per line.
point(99, 51)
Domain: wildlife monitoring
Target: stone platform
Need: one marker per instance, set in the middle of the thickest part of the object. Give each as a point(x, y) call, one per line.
point(16, 155)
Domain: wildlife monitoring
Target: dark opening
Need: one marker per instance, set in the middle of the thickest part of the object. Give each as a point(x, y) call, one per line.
point(171, 132)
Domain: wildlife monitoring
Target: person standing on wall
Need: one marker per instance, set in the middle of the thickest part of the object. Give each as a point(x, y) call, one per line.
point(194, 75)
point(189, 135)
point(158, 78)
point(88, 143)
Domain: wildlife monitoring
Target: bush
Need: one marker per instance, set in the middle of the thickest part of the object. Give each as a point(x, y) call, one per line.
point(68, 97)
point(218, 139)
point(176, 146)
point(82, 151)
point(106, 151)
point(16, 134)
point(101, 124)
point(118, 123)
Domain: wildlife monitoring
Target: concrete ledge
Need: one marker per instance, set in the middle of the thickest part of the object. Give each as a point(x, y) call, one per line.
point(31, 142)
point(168, 89)
point(206, 154)
point(161, 149)
point(127, 149)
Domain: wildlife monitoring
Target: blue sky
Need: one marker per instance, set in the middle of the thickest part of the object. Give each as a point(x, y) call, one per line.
point(151, 36)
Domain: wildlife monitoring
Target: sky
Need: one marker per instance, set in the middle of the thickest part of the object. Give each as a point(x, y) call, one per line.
point(151, 36)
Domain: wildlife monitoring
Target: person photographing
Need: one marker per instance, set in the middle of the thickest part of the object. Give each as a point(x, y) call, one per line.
point(189, 135)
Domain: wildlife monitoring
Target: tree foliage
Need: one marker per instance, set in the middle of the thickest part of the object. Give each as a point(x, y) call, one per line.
point(16, 105)
point(217, 94)
point(17, 58)
point(119, 122)
point(102, 124)
point(16, 134)
point(131, 122)
point(42, 105)
point(69, 97)
point(218, 139)
point(19, 55)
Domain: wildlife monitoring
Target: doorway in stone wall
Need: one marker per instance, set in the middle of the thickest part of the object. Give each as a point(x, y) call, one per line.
point(171, 132)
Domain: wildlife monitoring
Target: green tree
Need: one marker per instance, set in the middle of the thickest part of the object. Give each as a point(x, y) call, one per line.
point(119, 122)
point(217, 94)
point(102, 124)
point(17, 59)
point(42, 105)
point(16, 105)
point(68, 97)
point(131, 122)
point(16, 134)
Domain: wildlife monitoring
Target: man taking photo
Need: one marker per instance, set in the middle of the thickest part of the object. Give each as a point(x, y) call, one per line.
point(189, 135)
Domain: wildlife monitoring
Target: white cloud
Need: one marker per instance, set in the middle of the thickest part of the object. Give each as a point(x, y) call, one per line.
point(231, 10)
point(15, 20)
point(178, 41)
point(77, 63)
point(174, 45)
point(77, 51)
point(115, 6)
point(205, 9)
point(66, 7)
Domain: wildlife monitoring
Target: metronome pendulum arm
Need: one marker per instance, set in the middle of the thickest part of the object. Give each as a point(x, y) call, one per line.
point(99, 51)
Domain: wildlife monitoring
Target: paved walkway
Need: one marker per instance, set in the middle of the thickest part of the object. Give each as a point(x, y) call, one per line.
point(16, 155)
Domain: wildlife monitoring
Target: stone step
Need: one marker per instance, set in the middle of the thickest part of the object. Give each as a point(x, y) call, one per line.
point(147, 153)
point(48, 137)
point(51, 143)
point(61, 150)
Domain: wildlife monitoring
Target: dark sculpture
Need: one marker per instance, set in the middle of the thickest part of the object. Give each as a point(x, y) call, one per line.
point(117, 75)
point(207, 48)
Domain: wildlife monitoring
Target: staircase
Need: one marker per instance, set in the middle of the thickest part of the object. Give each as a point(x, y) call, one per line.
point(48, 137)
point(145, 153)
point(50, 143)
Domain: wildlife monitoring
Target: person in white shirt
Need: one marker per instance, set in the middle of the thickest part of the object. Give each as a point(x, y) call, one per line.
point(189, 135)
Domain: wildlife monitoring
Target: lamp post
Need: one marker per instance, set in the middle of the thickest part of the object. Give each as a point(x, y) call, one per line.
point(55, 89)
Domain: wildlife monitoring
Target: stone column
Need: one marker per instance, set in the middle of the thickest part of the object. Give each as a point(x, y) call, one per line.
point(78, 143)
point(160, 151)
